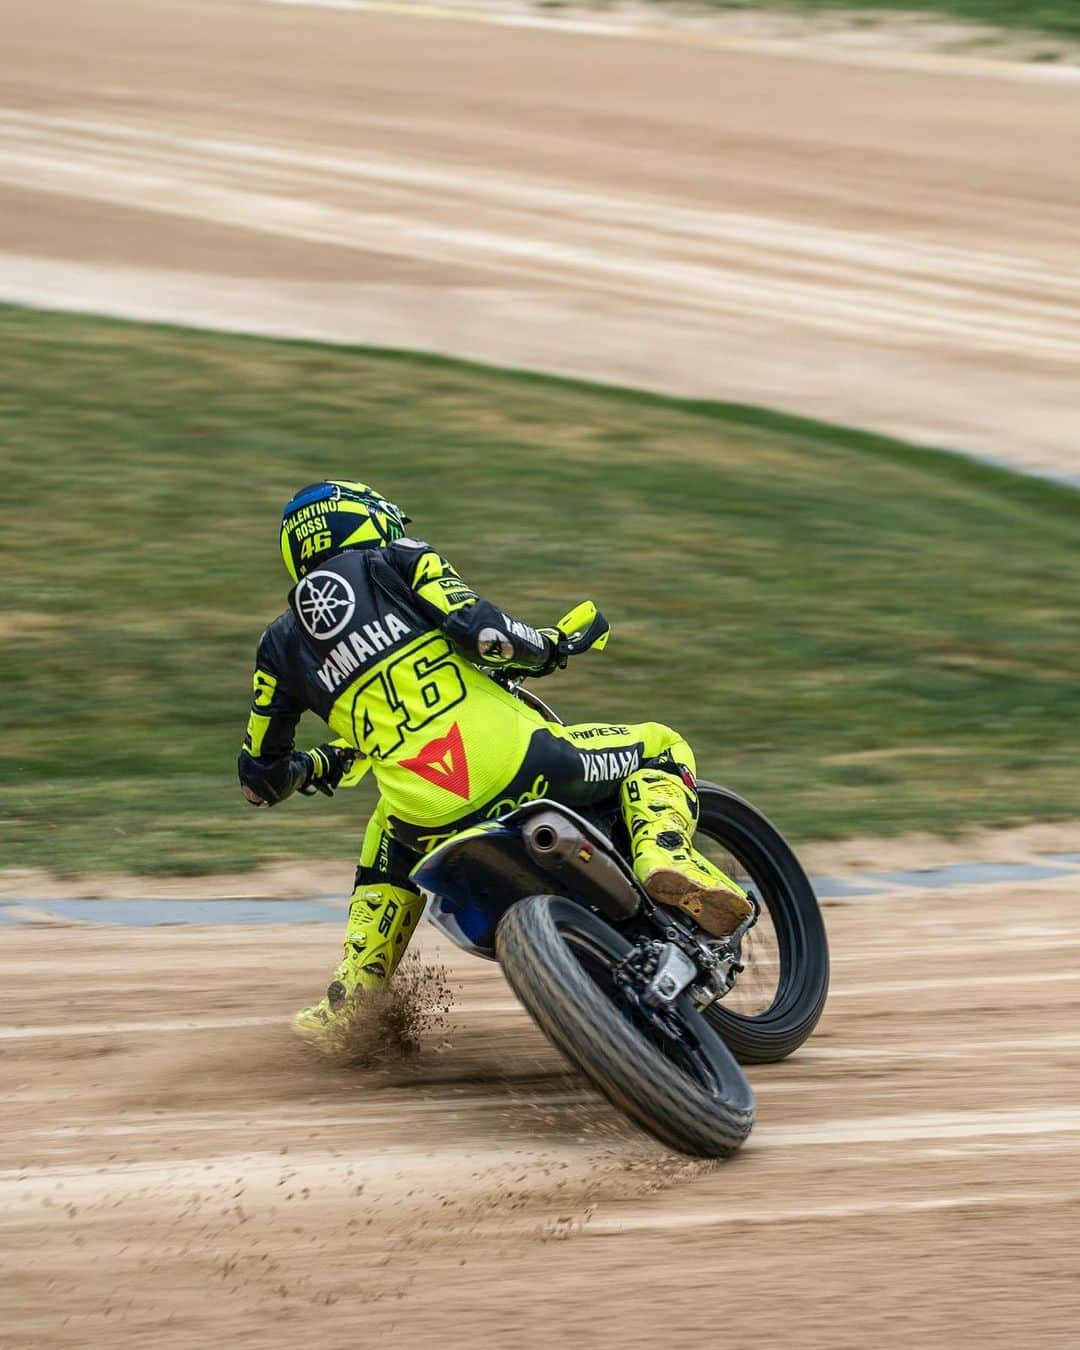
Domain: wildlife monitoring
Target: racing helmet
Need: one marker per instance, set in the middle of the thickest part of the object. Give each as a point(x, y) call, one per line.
point(328, 517)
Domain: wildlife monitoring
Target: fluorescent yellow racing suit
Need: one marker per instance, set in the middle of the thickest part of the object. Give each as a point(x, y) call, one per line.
point(384, 645)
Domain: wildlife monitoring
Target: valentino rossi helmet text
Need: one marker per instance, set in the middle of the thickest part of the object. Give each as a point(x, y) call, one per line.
point(328, 517)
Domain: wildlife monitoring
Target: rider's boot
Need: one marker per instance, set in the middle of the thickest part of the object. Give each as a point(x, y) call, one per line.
point(382, 919)
point(660, 810)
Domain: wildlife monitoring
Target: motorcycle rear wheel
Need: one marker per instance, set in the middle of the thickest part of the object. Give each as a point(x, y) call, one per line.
point(687, 1091)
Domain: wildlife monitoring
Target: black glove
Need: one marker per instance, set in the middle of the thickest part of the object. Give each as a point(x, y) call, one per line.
point(557, 656)
point(329, 765)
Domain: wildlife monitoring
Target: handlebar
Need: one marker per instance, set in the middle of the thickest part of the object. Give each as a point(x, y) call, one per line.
point(583, 628)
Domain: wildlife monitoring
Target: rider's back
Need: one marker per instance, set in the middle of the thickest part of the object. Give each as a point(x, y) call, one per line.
point(361, 649)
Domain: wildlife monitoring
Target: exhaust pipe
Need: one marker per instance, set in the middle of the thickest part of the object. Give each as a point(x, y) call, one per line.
point(544, 840)
point(560, 847)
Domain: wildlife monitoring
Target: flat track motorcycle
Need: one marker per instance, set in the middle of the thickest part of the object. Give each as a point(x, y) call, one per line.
point(654, 1012)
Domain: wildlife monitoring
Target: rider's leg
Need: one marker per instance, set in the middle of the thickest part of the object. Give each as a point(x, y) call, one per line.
point(383, 914)
point(660, 807)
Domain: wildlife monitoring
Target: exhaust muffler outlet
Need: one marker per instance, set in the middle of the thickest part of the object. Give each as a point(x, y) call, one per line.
point(544, 840)
point(560, 847)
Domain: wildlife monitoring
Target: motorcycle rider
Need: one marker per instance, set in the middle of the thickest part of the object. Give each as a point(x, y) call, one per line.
point(383, 639)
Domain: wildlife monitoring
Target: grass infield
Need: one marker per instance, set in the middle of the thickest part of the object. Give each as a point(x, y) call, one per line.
point(861, 636)
point(1060, 17)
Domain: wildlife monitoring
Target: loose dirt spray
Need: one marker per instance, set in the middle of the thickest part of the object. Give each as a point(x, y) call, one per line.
point(391, 1023)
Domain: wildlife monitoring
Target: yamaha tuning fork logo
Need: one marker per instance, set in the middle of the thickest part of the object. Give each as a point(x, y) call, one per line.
point(325, 602)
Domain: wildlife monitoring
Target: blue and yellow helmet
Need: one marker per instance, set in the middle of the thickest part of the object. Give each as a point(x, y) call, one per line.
point(329, 517)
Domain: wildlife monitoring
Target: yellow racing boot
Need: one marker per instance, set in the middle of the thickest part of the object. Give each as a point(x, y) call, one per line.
point(660, 811)
point(340, 1002)
point(382, 919)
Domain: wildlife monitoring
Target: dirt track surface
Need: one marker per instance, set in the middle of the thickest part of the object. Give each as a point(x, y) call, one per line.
point(890, 248)
point(177, 1171)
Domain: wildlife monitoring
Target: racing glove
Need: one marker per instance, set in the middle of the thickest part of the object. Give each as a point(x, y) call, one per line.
point(557, 656)
point(329, 765)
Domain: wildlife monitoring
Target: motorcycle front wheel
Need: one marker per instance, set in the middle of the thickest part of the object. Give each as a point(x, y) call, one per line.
point(780, 995)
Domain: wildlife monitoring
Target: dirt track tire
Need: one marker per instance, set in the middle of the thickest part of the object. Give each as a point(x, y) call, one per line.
point(793, 909)
point(536, 943)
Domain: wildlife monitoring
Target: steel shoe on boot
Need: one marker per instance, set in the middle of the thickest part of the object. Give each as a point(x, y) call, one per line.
point(340, 1002)
point(660, 811)
point(382, 919)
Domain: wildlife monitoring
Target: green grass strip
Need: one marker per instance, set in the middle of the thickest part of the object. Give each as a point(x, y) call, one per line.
point(862, 636)
point(1060, 17)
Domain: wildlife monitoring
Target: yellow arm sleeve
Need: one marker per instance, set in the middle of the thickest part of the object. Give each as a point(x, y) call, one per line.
point(436, 581)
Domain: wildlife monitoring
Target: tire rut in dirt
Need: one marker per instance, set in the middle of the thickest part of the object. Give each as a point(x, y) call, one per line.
point(583, 1023)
